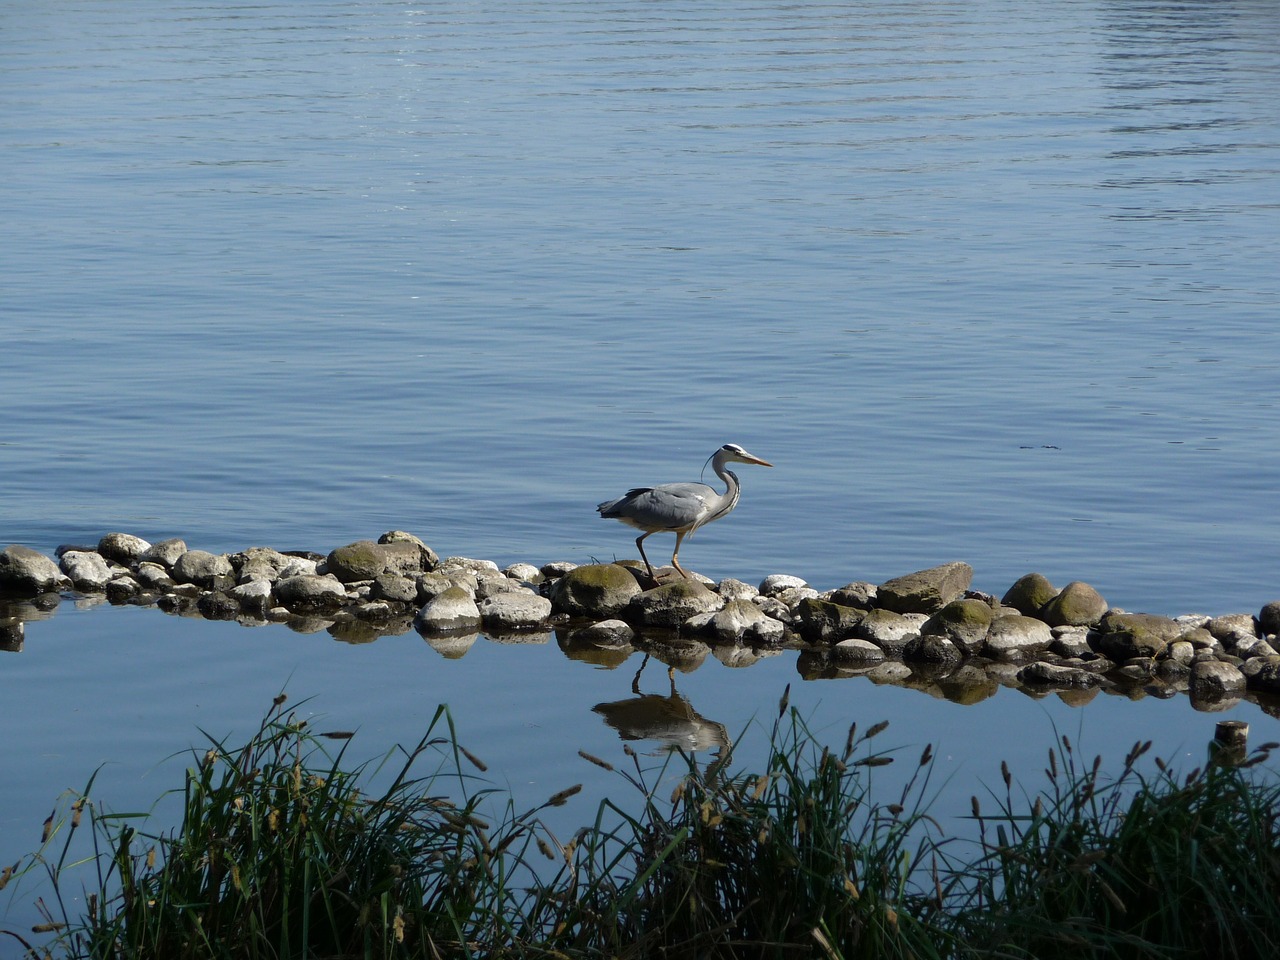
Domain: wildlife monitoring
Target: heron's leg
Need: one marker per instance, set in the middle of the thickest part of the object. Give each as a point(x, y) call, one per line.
point(675, 561)
point(640, 546)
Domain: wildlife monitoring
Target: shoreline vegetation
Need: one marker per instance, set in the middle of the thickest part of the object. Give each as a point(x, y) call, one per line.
point(925, 629)
point(286, 850)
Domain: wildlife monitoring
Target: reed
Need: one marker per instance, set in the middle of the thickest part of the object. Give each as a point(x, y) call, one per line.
point(283, 851)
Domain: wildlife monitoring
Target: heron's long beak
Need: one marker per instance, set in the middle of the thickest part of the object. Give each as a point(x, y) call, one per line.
point(750, 459)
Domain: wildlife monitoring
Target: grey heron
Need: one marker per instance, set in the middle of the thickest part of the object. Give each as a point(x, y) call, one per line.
point(680, 508)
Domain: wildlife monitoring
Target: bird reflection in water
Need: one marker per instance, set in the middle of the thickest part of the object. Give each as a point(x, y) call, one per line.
point(669, 720)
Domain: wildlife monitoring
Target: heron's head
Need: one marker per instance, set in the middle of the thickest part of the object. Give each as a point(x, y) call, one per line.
point(732, 453)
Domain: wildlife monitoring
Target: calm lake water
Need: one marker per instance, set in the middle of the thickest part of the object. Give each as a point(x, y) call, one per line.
point(986, 281)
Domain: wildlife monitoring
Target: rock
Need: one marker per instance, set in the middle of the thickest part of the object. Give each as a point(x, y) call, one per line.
point(1070, 641)
point(204, 569)
point(520, 610)
point(362, 560)
point(821, 621)
point(122, 590)
point(890, 672)
point(965, 622)
point(123, 548)
point(858, 651)
point(1029, 593)
point(934, 649)
point(310, 593)
point(791, 596)
point(1124, 636)
point(87, 571)
point(925, 591)
point(254, 597)
point(153, 576)
point(775, 583)
point(260, 563)
point(218, 606)
point(27, 572)
point(523, 572)
point(1181, 651)
point(887, 630)
point(556, 569)
point(1017, 638)
point(1076, 605)
point(671, 604)
point(1232, 629)
point(1214, 680)
point(431, 585)
point(742, 620)
point(165, 553)
point(1269, 618)
point(606, 633)
point(395, 587)
point(477, 568)
point(427, 558)
point(599, 590)
point(1262, 674)
point(774, 608)
point(859, 594)
point(732, 589)
point(452, 610)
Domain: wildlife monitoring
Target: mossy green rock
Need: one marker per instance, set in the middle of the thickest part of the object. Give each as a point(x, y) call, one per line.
point(362, 560)
point(966, 622)
point(821, 621)
point(671, 604)
point(1077, 605)
point(1028, 594)
point(925, 591)
point(1124, 636)
point(597, 590)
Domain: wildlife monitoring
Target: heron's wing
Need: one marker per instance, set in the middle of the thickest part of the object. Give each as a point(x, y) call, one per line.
point(671, 506)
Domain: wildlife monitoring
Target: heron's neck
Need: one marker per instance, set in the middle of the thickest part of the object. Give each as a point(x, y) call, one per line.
point(733, 490)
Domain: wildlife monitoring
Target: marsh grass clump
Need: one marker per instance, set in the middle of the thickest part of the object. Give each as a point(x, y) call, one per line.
point(1137, 865)
point(285, 852)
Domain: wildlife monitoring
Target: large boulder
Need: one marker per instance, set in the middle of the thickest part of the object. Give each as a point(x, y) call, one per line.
point(597, 590)
point(1029, 593)
point(87, 570)
point(925, 591)
point(27, 572)
point(1077, 605)
point(1213, 680)
point(965, 622)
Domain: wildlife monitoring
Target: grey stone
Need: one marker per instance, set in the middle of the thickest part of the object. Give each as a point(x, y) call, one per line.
point(520, 610)
point(1181, 651)
point(965, 622)
point(774, 608)
point(87, 571)
point(299, 567)
point(1232, 628)
point(477, 568)
point(1070, 641)
point(887, 630)
point(310, 593)
point(791, 596)
point(395, 587)
point(1214, 680)
point(858, 594)
point(1076, 605)
point(208, 570)
point(218, 606)
point(428, 559)
point(599, 590)
point(122, 590)
point(1017, 638)
point(253, 596)
point(1125, 636)
point(935, 649)
point(259, 563)
point(452, 610)
point(27, 572)
point(671, 604)
point(1262, 674)
point(1029, 593)
point(925, 591)
point(523, 572)
point(431, 585)
point(741, 619)
point(1269, 618)
point(732, 589)
point(775, 583)
point(492, 586)
point(821, 621)
point(123, 548)
point(165, 553)
point(153, 576)
point(556, 569)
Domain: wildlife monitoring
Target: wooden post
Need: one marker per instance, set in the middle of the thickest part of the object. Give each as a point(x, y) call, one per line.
point(1230, 743)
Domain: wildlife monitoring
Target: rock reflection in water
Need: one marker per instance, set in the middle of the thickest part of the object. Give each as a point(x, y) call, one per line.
point(669, 719)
